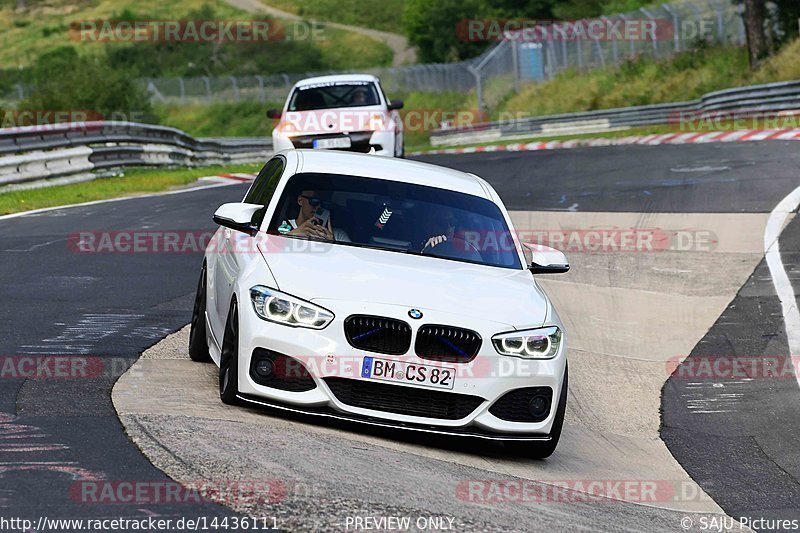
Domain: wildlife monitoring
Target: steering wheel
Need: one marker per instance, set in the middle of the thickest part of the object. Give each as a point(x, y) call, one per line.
point(454, 248)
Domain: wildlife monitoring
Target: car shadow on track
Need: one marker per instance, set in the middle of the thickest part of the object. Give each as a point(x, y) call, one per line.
point(453, 443)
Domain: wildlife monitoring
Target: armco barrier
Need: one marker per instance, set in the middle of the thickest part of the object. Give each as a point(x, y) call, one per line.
point(41, 152)
point(773, 97)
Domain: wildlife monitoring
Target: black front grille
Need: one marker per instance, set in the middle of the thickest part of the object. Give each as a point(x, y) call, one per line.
point(514, 406)
point(378, 334)
point(447, 343)
point(403, 400)
point(273, 369)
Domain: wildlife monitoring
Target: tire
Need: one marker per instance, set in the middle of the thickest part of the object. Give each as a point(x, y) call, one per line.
point(542, 450)
point(229, 359)
point(198, 342)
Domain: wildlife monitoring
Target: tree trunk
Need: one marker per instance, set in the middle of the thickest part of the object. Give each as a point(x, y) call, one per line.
point(21, 5)
point(757, 45)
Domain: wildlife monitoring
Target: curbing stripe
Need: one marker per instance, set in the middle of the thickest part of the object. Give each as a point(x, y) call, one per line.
point(650, 140)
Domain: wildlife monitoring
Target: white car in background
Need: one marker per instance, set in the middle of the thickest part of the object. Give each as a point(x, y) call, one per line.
point(343, 112)
point(389, 292)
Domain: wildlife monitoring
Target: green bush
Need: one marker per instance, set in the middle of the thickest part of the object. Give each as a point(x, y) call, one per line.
point(62, 80)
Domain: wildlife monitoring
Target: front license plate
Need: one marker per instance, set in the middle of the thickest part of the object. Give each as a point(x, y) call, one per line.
point(438, 377)
point(337, 142)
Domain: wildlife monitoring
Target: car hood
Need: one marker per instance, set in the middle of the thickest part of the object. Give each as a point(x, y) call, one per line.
point(341, 272)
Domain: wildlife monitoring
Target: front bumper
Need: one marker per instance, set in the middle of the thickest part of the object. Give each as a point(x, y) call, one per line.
point(383, 142)
point(327, 354)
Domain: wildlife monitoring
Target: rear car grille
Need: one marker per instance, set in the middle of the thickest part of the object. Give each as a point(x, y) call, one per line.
point(514, 406)
point(378, 334)
point(403, 400)
point(273, 369)
point(447, 343)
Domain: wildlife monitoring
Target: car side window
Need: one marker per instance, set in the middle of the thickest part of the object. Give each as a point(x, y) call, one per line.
point(264, 186)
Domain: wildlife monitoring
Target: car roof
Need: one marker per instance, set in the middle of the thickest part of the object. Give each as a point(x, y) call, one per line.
point(389, 168)
point(337, 78)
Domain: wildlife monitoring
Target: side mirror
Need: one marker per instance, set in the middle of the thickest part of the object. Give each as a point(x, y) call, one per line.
point(395, 105)
point(547, 260)
point(238, 216)
point(274, 113)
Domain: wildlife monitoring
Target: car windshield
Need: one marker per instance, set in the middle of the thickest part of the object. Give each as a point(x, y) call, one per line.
point(397, 217)
point(334, 94)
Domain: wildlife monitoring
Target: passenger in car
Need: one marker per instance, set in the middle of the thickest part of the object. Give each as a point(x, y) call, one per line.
point(312, 220)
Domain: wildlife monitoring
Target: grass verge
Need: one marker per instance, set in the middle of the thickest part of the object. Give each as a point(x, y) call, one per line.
point(645, 81)
point(133, 182)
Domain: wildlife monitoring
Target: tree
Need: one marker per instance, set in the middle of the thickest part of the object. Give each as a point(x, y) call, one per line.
point(788, 12)
point(61, 80)
point(431, 25)
point(438, 27)
point(757, 43)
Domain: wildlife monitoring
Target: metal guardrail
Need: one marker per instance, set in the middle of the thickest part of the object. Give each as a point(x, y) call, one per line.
point(42, 152)
point(768, 98)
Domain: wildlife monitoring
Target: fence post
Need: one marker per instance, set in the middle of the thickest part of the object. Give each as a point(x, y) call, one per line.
point(676, 26)
point(207, 83)
point(478, 87)
point(515, 61)
point(742, 30)
point(182, 89)
point(720, 23)
point(235, 87)
point(600, 52)
point(614, 51)
point(631, 44)
point(653, 18)
point(262, 95)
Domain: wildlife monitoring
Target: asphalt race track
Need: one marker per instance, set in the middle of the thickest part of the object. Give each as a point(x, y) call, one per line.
point(631, 314)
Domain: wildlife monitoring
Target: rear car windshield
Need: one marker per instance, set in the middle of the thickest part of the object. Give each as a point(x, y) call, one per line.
point(334, 94)
point(401, 217)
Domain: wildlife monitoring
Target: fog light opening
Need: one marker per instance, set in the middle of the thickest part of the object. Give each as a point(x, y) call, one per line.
point(265, 368)
point(539, 406)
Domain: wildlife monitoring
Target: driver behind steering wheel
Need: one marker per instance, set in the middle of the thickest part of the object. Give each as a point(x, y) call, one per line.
point(444, 227)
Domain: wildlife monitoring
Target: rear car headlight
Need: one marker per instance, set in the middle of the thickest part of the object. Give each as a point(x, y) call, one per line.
point(378, 122)
point(287, 129)
point(282, 308)
point(542, 343)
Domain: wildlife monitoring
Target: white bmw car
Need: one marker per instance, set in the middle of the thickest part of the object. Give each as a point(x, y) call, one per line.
point(384, 291)
point(343, 112)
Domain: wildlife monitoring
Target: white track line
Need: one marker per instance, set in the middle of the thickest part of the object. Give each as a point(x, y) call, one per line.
point(119, 199)
point(791, 315)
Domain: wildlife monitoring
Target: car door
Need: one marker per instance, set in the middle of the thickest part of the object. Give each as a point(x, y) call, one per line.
point(235, 248)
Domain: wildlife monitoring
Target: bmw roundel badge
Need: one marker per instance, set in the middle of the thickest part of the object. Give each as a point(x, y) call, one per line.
point(416, 314)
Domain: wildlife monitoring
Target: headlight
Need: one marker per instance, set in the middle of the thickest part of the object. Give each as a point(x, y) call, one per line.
point(282, 308)
point(286, 129)
point(540, 343)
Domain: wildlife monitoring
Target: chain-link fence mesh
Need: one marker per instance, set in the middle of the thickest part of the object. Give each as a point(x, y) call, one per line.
point(426, 78)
